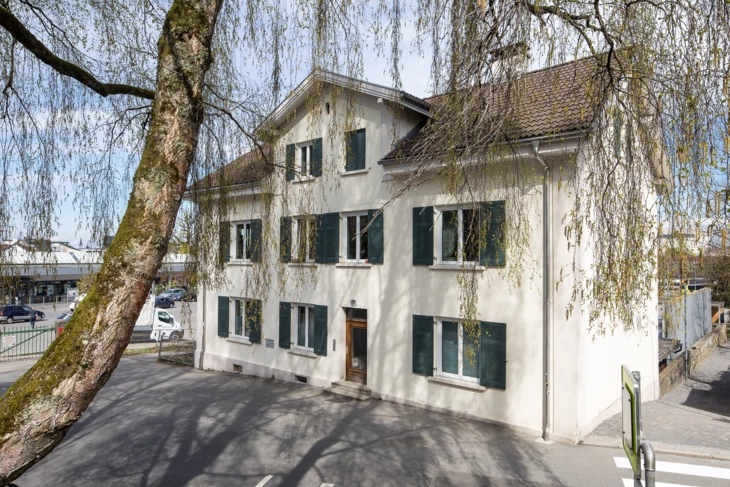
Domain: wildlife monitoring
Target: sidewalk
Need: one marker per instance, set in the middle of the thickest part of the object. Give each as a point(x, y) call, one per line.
point(693, 419)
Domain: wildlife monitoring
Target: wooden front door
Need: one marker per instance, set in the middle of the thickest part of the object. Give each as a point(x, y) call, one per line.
point(357, 351)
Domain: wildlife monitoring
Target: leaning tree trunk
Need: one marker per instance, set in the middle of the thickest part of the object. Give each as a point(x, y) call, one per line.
point(40, 408)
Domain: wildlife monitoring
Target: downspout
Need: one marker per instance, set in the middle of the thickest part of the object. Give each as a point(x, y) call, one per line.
point(547, 358)
point(202, 335)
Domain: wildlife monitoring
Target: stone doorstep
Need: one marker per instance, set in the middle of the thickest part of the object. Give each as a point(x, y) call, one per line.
point(349, 389)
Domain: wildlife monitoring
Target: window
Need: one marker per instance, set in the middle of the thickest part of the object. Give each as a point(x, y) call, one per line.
point(355, 150)
point(356, 243)
point(460, 235)
point(243, 241)
point(304, 233)
point(304, 327)
point(241, 323)
point(305, 159)
point(164, 317)
point(457, 346)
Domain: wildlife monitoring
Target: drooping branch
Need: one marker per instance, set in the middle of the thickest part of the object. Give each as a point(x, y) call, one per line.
point(25, 37)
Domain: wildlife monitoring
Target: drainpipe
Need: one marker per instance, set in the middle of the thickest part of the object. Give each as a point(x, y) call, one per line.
point(547, 359)
point(202, 334)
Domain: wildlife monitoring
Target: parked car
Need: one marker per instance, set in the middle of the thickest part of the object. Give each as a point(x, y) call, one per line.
point(177, 294)
point(76, 301)
point(62, 321)
point(164, 302)
point(39, 315)
point(190, 296)
point(172, 290)
point(11, 313)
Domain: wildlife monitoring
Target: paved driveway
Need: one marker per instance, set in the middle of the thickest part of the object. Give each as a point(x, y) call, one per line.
point(156, 424)
point(693, 418)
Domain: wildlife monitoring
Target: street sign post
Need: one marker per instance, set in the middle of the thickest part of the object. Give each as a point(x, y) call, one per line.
point(632, 436)
point(631, 417)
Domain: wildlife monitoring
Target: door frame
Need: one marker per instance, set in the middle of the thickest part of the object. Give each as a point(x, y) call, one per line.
point(352, 374)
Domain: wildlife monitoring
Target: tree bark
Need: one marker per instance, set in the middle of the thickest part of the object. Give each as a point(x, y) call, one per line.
point(40, 408)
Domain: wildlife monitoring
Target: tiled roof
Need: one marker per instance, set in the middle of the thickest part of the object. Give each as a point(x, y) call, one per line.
point(550, 101)
point(248, 168)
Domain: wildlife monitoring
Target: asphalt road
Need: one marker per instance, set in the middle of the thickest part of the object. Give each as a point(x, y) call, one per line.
point(156, 424)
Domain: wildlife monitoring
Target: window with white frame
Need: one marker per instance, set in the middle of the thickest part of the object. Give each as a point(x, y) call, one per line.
point(355, 240)
point(241, 308)
point(459, 236)
point(304, 230)
point(305, 158)
point(304, 327)
point(457, 347)
point(243, 241)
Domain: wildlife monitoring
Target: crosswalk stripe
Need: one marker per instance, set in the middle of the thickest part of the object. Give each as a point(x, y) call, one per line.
point(630, 483)
point(264, 480)
point(682, 468)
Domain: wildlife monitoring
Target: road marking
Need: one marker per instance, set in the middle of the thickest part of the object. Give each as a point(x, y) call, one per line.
point(264, 480)
point(327, 485)
point(682, 468)
point(630, 483)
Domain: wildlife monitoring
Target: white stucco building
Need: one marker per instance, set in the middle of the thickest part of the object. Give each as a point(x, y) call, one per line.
point(382, 309)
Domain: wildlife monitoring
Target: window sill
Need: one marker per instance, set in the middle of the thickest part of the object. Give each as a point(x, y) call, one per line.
point(354, 265)
point(303, 179)
point(245, 263)
point(457, 267)
point(355, 172)
point(462, 384)
point(239, 340)
point(303, 353)
point(302, 264)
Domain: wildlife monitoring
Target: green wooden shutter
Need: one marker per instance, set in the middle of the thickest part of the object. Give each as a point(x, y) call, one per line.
point(360, 149)
point(423, 345)
point(284, 324)
point(290, 153)
point(493, 355)
point(423, 236)
point(492, 223)
point(350, 151)
point(317, 157)
point(225, 242)
point(328, 238)
point(256, 228)
point(320, 330)
point(223, 316)
point(253, 320)
point(375, 238)
point(285, 238)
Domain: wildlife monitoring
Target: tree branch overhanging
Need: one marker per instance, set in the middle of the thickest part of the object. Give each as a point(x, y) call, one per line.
point(25, 37)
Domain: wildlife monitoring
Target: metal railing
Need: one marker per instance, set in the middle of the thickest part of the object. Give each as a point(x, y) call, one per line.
point(177, 351)
point(24, 342)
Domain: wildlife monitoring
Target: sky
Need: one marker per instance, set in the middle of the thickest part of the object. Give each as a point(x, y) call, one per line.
point(414, 80)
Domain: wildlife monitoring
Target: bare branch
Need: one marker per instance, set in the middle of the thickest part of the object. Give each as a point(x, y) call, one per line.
point(21, 34)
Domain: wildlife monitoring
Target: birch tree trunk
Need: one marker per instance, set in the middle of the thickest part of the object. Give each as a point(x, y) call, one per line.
point(40, 408)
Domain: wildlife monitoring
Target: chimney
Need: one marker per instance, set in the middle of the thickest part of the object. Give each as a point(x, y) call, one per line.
point(509, 61)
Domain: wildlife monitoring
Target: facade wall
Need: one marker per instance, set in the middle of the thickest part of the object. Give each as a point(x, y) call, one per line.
point(584, 370)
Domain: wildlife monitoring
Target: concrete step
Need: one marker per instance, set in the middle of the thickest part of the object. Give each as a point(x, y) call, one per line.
point(355, 386)
point(350, 389)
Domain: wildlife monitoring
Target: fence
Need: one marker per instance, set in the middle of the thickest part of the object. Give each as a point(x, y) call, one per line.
point(24, 342)
point(177, 351)
point(688, 318)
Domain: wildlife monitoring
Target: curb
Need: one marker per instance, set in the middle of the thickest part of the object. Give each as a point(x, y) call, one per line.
point(666, 449)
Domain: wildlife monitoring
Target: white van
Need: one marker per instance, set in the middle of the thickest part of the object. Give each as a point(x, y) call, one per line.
point(76, 301)
point(159, 323)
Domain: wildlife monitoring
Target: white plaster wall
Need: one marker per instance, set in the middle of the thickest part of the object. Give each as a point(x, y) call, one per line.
point(584, 371)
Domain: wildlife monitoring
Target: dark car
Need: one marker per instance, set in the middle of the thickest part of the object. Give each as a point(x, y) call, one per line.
point(164, 302)
point(177, 294)
point(190, 296)
point(11, 313)
point(39, 315)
